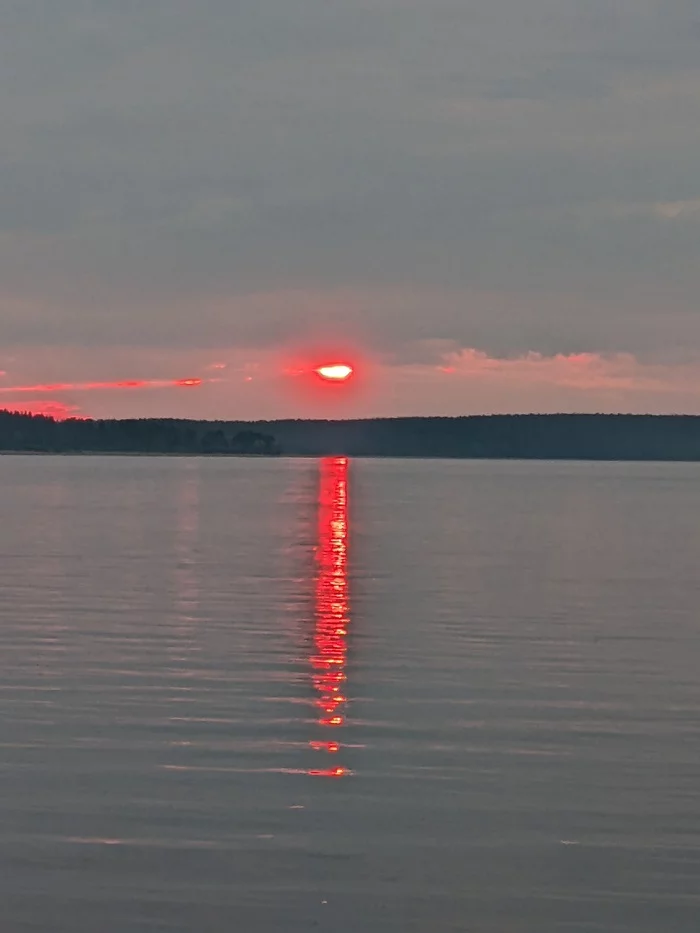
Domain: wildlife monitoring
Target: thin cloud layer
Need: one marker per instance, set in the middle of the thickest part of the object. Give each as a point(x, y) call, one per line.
point(517, 176)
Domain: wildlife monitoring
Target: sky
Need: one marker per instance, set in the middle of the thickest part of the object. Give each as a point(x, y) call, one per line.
point(491, 205)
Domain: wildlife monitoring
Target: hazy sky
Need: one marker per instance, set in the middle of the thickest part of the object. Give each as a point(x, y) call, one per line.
point(496, 201)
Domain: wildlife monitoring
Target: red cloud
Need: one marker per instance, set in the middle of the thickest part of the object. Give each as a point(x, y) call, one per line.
point(100, 386)
point(50, 408)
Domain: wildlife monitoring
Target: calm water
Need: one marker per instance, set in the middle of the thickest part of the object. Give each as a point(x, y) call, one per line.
point(379, 695)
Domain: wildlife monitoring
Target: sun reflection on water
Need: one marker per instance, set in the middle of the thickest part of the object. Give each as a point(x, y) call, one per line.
point(332, 609)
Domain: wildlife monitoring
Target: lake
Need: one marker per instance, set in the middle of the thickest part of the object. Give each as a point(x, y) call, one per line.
point(284, 695)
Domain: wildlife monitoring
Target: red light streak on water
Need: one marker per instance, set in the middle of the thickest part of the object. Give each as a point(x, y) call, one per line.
point(332, 606)
point(329, 772)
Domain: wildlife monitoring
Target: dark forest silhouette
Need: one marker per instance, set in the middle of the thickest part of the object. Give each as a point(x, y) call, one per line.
point(43, 434)
point(552, 437)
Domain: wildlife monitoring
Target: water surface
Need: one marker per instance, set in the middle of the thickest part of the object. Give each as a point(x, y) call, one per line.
point(282, 695)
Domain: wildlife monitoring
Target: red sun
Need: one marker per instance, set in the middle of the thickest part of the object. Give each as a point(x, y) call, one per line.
point(334, 372)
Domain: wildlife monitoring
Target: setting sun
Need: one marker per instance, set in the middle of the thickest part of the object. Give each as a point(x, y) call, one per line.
point(335, 372)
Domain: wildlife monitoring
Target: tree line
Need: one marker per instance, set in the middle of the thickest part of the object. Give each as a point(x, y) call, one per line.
point(43, 434)
point(545, 437)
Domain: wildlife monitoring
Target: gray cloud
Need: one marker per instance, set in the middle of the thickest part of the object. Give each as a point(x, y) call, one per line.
point(180, 174)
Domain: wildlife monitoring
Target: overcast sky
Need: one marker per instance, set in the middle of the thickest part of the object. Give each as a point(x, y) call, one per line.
point(496, 202)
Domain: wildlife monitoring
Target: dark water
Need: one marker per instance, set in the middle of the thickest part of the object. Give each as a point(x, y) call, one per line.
point(382, 696)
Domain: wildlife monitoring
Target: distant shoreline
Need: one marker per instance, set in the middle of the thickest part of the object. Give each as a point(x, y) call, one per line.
point(306, 456)
point(133, 453)
point(564, 437)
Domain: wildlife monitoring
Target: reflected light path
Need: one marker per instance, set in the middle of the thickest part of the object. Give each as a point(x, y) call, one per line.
point(332, 611)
